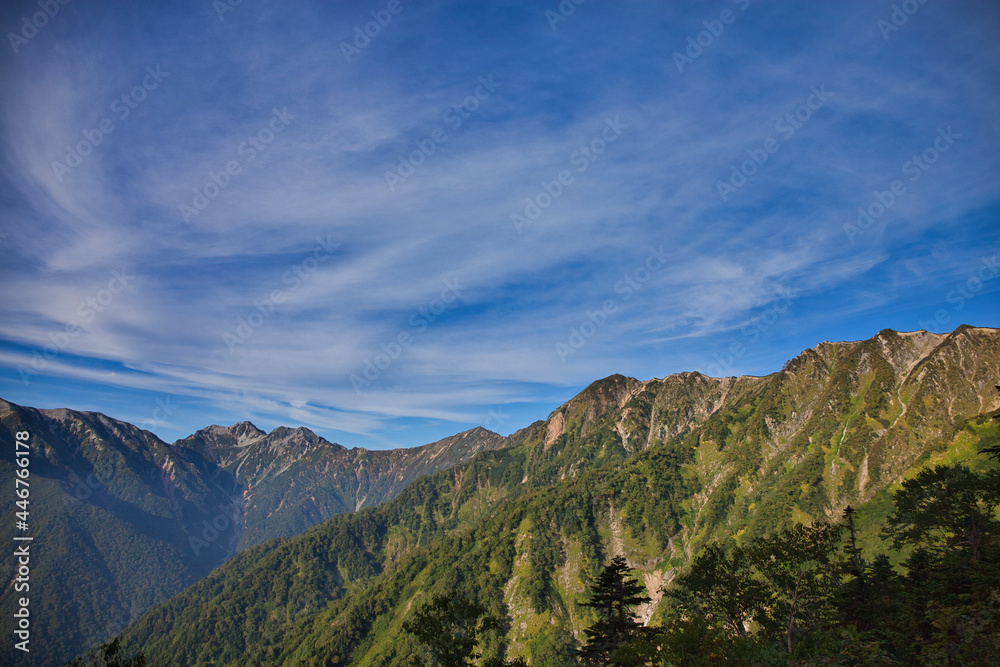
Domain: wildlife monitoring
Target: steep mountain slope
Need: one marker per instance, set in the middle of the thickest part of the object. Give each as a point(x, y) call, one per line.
point(122, 520)
point(651, 470)
point(290, 479)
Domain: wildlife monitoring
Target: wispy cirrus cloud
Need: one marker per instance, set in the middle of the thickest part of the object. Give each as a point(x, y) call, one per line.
point(391, 252)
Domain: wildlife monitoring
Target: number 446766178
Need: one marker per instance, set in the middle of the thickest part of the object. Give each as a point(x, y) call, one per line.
point(21, 481)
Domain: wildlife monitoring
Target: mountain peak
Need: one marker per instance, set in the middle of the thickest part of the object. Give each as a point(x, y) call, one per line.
point(245, 427)
point(284, 437)
point(240, 434)
point(614, 389)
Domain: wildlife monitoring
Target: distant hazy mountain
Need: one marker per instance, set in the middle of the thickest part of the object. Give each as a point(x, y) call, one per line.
point(122, 520)
point(649, 470)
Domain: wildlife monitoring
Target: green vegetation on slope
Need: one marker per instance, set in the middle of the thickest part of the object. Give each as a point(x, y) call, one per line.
point(123, 521)
point(524, 531)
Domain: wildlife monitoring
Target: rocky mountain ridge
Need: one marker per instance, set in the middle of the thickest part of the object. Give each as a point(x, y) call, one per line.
point(126, 520)
point(647, 469)
point(650, 470)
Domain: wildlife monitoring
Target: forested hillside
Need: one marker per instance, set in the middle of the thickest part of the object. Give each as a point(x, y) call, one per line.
point(123, 520)
point(653, 471)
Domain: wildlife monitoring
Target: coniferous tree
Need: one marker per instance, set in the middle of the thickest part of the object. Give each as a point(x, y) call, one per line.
point(856, 600)
point(614, 597)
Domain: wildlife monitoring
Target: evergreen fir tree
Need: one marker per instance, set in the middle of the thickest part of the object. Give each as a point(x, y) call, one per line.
point(614, 597)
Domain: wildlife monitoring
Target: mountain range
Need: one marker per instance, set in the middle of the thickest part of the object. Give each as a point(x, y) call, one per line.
point(650, 470)
point(122, 520)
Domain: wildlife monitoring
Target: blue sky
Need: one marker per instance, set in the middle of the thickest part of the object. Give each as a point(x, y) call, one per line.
point(213, 213)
